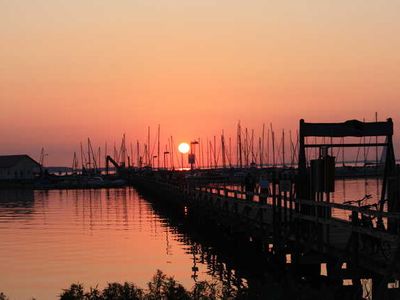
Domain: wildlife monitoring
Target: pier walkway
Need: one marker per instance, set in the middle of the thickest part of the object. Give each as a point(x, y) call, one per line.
point(297, 221)
point(310, 233)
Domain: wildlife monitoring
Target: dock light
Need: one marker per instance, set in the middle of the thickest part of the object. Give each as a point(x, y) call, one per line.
point(183, 148)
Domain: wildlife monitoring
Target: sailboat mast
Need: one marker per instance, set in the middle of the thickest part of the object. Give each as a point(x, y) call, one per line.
point(223, 150)
point(148, 147)
point(283, 148)
point(273, 149)
point(262, 146)
point(158, 146)
point(215, 151)
point(88, 149)
point(239, 142)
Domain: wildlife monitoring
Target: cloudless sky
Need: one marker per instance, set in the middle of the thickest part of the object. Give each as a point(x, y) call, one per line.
point(72, 69)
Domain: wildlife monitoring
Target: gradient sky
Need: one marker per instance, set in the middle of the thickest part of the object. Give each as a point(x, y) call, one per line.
point(72, 69)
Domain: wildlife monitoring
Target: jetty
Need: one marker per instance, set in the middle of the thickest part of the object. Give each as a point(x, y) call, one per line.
point(294, 218)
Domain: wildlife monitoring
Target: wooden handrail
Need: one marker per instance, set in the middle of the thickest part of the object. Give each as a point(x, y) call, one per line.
point(344, 207)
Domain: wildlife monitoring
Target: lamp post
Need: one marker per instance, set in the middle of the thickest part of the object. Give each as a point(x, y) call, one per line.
point(192, 156)
point(165, 153)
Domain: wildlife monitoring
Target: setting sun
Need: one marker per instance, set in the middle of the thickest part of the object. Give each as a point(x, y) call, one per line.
point(159, 135)
point(183, 148)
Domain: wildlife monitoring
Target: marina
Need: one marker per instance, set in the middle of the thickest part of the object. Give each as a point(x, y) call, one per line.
point(296, 219)
point(199, 150)
point(82, 232)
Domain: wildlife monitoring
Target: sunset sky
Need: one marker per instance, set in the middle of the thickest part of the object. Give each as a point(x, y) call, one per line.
point(75, 69)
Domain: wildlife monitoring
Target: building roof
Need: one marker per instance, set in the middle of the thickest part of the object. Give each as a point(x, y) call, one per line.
point(8, 161)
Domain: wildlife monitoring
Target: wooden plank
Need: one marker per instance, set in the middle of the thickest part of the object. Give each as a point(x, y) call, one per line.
point(349, 128)
point(350, 208)
point(340, 223)
point(345, 207)
point(345, 145)
point(222, 205)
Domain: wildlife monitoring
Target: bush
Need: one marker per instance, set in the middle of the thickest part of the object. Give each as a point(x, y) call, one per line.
point(94, 294)
point(117, 291)
point(160, 287)
point(75, 292)
point(204, 290)
point(163, 287)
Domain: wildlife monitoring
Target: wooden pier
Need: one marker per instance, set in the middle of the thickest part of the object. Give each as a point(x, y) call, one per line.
point(297, 219)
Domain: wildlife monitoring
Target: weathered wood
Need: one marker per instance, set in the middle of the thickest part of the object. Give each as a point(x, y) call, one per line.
point(349, 128)
point(348, 145)
point(345, 207)
point(280, 218)
point(351, 208)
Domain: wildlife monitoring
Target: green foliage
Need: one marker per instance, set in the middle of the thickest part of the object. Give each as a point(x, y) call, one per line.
point(75, 292)
point(161, 287)
point(205, 290)
point(117, 291)
point(156, 285)
point(94, 294)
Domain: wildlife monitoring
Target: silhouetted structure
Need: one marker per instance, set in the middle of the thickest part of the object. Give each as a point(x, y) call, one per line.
point(18, 167)
point(297, 218)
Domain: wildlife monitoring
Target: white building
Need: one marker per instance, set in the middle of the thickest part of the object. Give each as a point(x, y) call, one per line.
point(18, 167)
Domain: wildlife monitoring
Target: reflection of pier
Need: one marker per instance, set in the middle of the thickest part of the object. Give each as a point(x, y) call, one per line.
point(233, 260)
point(297, 218)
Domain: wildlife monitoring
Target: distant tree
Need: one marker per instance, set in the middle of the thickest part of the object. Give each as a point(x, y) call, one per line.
point(75, 292)
point(163, 287)
point(156, 285)
point(117, 291)
point(94, 294)
point(174, 290)
point(160, 287)
point(205, 290)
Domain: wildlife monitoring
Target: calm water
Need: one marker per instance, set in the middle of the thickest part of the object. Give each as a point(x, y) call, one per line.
point(50, 239)
point(355, 189)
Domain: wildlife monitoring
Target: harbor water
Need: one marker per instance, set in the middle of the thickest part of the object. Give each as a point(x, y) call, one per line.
point(50, 239)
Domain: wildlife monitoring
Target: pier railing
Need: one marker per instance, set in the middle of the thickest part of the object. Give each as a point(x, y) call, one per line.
point(289, 202)
point(334, 229)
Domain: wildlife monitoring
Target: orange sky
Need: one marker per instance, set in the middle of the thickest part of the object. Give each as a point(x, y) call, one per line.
point(72, 69)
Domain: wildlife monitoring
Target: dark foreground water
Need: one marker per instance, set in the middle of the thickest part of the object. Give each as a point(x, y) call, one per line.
point(50, 239)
